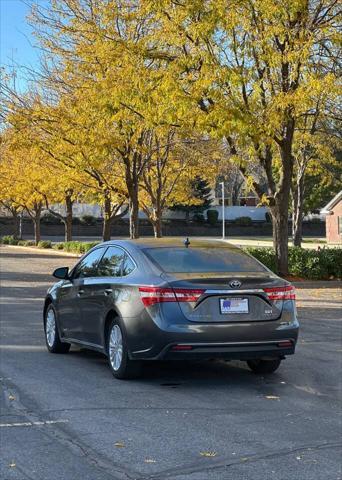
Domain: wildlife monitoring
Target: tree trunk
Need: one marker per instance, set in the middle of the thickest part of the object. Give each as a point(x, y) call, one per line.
point(280, 207)
point(68, 218)
point(107, 218)
point(157, 228)
point(106, 229)
point(187, 216)
point(16, 220)
point(21, 225)
point(279, 215)
point(298, 207)
point(157, 218)
point(134, 215)
point(36, 223)
point(35, 215)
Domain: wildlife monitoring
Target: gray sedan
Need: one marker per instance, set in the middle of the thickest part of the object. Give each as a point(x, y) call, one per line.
point(166, 299)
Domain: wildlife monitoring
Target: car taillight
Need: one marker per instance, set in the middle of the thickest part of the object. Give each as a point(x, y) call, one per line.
point(281, 293)
point(187, 295)
point(152, 295)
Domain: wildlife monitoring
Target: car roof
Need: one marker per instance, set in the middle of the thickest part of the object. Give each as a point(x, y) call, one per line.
point(171, 242)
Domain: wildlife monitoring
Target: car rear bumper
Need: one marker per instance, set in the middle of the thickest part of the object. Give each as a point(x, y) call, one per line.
point(229, 341)
point(238, 351)
point(231, 351)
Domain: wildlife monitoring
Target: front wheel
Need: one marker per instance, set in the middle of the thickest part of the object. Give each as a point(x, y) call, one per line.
point(264, 366)
point(53, 341)
point(120, 364)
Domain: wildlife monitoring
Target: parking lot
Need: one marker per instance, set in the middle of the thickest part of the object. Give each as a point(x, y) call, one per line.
point(66, 417)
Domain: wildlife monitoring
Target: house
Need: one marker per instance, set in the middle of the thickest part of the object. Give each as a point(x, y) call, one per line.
point(333, 212)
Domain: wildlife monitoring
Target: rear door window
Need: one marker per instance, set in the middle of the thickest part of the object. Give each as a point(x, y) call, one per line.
point(111, 262)
point(203, 260)
point(128, 266)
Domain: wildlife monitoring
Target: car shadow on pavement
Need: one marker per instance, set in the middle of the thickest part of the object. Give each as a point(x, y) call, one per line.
point(175, 374)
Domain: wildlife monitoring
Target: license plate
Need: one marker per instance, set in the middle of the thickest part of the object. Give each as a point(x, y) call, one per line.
point(234, 305)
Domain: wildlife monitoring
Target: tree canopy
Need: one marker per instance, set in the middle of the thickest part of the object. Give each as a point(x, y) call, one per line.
point(134, 99)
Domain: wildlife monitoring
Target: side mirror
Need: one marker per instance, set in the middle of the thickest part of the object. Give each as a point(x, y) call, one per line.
point(62, 273)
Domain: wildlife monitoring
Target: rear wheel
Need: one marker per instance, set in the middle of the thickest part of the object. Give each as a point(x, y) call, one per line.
point(53, 341)
point(264, 366)
point(120, 364)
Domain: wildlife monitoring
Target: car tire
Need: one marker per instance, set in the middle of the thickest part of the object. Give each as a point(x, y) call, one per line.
point(121, 365)
point(52, 338)
point(264, 366)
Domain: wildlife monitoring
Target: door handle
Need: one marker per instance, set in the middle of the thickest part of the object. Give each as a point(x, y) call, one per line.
point(108, 291)
point(80, 292)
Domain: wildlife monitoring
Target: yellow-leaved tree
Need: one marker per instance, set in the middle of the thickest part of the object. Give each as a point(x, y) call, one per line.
point(246, 70)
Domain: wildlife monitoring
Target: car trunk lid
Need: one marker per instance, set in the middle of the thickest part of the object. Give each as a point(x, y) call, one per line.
point(248, 297)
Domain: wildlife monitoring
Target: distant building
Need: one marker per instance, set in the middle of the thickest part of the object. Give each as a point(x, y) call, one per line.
point(333, 212)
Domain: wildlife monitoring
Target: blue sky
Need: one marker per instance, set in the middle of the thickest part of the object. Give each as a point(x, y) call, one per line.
point(16, 41)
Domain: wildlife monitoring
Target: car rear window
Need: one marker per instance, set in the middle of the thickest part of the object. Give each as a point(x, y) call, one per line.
point(189, 260)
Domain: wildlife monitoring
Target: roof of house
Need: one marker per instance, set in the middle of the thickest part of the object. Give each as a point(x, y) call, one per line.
point(337, 198)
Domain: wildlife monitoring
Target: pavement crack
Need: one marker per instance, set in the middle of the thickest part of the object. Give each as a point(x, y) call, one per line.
point(194, 468)
point(59, 432)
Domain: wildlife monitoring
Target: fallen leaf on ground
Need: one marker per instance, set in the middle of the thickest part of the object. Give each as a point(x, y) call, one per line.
point(119, 444)
point(150, 460)
point(11, 397)
point(208, 454)
point(12, 465)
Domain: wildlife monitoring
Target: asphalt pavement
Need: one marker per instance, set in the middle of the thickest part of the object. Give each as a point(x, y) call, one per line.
point(66, 417)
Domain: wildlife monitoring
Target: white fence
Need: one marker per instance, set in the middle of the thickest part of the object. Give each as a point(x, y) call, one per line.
point(231, 213)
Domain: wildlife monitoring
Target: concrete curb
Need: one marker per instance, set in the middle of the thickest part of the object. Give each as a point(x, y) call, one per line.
point(47, 251)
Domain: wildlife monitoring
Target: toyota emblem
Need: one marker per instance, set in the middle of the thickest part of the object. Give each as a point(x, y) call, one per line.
point(235, 284)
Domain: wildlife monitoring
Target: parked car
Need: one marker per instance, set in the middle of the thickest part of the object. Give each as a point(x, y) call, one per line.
point(164, 299)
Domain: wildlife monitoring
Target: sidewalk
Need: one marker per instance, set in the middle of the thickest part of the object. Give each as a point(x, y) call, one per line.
point(308, 242)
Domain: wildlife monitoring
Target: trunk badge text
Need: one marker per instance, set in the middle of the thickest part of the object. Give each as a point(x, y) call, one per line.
point(235, 284)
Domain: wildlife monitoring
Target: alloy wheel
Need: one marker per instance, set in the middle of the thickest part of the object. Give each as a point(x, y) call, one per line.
point(115, 347)
point(50, 328)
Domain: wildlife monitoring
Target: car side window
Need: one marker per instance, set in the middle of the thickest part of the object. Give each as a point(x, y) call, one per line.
point(111, 262)
point(87, 267)
point(128, 266)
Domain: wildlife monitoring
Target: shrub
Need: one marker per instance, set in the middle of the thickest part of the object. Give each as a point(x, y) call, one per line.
point(244, 221)
point(212, 216)
point(78, 247)
point(45, 244)
point(29, 243)
point(22, 243)
point(58, 246)
point(9, 240)
point(265, 255)
point(315, 220)
point(50, 219)
point(321, 264)
point(88, 220)
point(199, 218)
